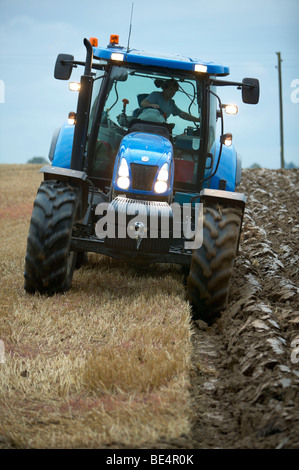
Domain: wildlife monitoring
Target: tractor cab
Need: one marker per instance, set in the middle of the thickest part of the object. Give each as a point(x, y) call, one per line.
point(142, 112)
point(145, 136)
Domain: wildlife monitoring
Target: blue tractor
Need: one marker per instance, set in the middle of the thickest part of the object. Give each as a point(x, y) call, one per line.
point(141, 172)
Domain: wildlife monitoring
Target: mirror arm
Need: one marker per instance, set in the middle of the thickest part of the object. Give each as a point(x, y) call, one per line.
point(228, 83)
point(75, 63)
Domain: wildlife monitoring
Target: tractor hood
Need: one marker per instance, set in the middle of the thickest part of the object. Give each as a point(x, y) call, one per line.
point(140, 158)
point(144, 148)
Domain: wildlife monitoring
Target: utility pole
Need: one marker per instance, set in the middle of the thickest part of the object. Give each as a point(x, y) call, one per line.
point(280, 111)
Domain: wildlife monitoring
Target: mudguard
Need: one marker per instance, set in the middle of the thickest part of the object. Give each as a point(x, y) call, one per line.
point(61, 146)
point(72, 177)
point(228, 172)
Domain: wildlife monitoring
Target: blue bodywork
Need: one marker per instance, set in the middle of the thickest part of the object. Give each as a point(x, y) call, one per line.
point(226, 170)
point(155, 59)
point(137, 145)
point(63, 149)
point(159, 151)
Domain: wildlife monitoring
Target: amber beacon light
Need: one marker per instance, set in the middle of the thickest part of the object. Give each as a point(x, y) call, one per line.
point(93, 42)
point(114, 39)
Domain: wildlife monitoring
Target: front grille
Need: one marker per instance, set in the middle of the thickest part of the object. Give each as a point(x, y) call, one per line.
point(143, 176)
point(155, 215)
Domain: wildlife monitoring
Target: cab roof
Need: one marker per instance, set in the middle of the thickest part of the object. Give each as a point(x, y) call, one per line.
point(134, 56)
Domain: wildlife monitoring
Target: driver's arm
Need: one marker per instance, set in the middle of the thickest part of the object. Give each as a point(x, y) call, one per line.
point(189, 117)
point(147, 104)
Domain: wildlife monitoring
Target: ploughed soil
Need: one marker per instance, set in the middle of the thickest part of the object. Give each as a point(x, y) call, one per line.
point(245, 379)
point(245, 375)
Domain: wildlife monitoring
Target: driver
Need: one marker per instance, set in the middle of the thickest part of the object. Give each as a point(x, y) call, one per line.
point(164, 102)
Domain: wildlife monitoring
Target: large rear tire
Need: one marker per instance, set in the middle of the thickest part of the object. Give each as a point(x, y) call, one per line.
point(49, 263)
point(212, 264)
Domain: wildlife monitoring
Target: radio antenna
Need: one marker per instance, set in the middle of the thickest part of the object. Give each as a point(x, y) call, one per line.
point(130, 27)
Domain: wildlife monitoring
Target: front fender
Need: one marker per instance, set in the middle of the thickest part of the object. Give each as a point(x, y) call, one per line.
point(227, 169)
point(61, 147)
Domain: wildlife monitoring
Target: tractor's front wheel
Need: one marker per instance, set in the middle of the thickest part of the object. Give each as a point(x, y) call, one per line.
point(49, 263)
point(212, 264)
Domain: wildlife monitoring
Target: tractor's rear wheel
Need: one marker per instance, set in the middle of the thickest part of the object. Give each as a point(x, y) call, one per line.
point(212, 264)
point(49, 263)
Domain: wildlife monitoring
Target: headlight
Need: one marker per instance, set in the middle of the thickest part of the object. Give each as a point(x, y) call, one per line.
point(123, 180)
point(74, 86)
point(163, 173)
point(160, 187)
point(230, 108)
point(123, 169)
point(71, 118)
point(161, 184)
point(117, 56)
point(200, 68)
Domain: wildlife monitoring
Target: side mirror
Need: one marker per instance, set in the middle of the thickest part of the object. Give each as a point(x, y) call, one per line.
point(251, 93)
point(63, 66)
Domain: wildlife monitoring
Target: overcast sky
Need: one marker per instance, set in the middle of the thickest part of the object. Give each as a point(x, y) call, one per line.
point(244, 35)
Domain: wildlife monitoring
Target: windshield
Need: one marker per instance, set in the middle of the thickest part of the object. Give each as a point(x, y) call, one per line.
point(168, 100)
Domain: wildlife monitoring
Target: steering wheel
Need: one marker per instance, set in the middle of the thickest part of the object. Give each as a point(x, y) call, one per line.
point(155, 109)
point(170, 126)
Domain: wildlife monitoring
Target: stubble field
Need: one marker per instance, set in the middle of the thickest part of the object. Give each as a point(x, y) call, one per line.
point(116, 362)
